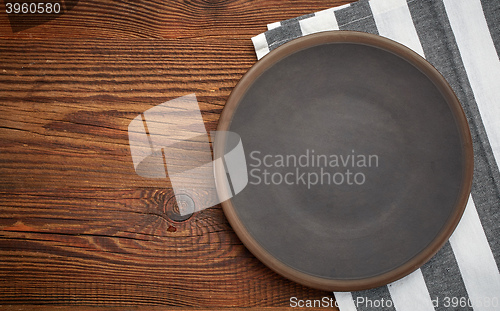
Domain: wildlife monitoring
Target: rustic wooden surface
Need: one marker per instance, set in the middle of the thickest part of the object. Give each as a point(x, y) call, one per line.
point(78, 226)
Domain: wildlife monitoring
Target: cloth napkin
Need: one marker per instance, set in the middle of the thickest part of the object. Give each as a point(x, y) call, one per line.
point(461, 38)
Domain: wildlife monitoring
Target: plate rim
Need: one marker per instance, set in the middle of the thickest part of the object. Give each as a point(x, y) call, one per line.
point(341, 36)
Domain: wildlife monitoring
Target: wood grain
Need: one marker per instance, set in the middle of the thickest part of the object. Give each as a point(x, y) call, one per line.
point(179, 19)
point(78, 226)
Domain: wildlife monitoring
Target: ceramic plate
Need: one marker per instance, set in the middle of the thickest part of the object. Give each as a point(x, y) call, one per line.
point(359, 160)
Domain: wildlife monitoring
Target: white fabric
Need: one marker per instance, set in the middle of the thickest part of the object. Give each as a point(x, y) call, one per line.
point(418, 300)
point(345, 301)
point(322, 21)
point(394, 21)
point(475, 260)
point(480, 61)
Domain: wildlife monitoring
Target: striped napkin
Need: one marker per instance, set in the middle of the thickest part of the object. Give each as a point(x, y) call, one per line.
point(461, 38)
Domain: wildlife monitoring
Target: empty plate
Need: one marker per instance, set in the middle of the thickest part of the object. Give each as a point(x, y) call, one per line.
point(359, 160)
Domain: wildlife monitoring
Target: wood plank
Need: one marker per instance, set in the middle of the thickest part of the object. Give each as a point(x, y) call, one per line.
point(61, 109)
point(168, 19)
point(109, 247)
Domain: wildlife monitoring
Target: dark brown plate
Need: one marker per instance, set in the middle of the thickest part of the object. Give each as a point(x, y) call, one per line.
point(336, 94)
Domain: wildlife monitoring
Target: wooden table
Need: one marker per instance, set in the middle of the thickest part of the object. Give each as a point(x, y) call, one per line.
point(78, 226)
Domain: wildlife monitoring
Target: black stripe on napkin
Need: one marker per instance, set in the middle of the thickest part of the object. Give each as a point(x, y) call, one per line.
point(357, 17)
point(372, 299)
point(295, 20)
point(281, 35)
point(491, 10)
point(441, 267)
